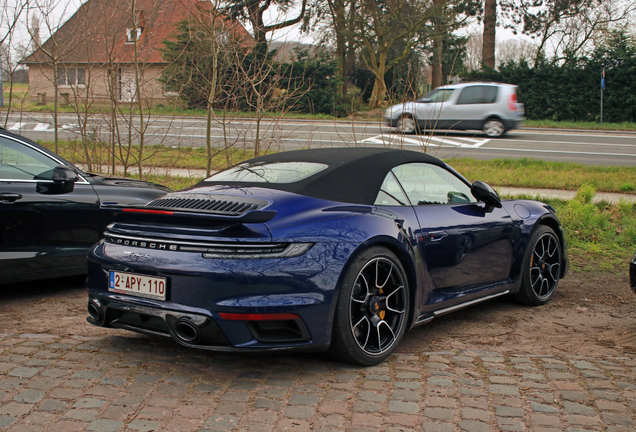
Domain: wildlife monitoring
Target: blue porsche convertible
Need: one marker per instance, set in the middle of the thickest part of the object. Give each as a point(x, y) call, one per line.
point(338, 249)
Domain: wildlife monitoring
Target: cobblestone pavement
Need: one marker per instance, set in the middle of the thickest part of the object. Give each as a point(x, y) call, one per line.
point(133, 383)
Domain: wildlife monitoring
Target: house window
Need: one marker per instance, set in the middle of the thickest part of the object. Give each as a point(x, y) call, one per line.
point(133, 35)
point(71, 76)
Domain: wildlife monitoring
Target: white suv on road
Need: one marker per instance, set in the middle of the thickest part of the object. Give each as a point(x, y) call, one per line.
point(489, 107)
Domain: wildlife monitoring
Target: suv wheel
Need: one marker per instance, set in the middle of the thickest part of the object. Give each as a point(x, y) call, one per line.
point(406, 125)
point(494, 128)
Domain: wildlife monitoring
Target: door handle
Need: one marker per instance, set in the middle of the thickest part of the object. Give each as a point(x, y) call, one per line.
point(437, 235)
point(9, 197)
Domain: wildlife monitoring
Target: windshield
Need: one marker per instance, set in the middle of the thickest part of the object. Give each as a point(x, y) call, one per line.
point(268, 172)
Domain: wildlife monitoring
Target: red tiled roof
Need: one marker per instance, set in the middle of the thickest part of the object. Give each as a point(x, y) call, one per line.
point(96, 33)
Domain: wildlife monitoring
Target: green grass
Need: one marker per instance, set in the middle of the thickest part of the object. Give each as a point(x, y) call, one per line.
point(525, 172)
point(534, 173)
point(17, 87)
point(600, 233)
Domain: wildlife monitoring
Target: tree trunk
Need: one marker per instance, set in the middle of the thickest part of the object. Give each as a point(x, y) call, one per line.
point(208, 125)
point(490, 25)
point(437, 78)
point(379, 91)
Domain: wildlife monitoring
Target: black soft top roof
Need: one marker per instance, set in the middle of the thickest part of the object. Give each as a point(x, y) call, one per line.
point(354, 174)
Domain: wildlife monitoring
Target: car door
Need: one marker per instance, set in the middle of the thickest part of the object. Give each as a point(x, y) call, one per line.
point(475, 104)
point(466, 246)
point(434, 110)
point(43, 229)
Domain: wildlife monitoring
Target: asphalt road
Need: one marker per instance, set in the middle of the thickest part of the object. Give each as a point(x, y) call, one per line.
point(602, 148)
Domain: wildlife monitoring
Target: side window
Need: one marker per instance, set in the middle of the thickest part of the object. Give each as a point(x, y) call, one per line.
point(20, 162)
point(478, 95)
point(490, 94)
point(427, 184)
point(439, 95)
point(391, 193)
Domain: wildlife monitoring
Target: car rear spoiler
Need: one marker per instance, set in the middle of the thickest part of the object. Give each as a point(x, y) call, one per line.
point(132, 213)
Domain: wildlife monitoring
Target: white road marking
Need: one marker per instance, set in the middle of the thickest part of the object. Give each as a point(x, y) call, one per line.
point(425, 141)
point(41, 127)
point(16, 126)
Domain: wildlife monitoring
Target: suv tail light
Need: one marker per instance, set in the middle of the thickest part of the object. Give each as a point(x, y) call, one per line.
point(512, 102)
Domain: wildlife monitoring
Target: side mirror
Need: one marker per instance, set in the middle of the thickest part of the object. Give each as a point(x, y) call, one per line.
point(424, 100)
point(64, 179)
point(486, 194)
point(63, 174)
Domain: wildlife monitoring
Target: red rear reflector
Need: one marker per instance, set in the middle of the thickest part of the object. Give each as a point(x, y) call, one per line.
point(131, 210)
point(258, 317)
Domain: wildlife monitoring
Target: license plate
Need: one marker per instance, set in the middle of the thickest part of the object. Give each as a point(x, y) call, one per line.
point(138, 285)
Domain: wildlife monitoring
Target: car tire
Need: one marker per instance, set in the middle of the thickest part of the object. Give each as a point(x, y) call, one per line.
point(541, 267)
point(372, 308)
point(494, 128)
point(406, 124)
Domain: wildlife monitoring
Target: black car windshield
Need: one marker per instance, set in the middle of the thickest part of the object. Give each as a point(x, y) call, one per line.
point(268, 172)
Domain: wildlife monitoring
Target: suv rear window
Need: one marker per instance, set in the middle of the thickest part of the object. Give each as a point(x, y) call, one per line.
point(478, 94)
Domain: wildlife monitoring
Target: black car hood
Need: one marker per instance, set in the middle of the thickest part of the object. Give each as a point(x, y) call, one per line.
point(124, 182)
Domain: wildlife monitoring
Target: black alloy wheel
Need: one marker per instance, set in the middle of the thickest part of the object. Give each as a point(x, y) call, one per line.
point(372, 308)
point(541, 267)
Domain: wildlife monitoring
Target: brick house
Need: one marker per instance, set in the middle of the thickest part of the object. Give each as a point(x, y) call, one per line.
point(95, 49)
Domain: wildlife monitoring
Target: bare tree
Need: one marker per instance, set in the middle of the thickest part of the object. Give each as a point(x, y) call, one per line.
point(51, 53)
point(380, 27)
point(11, 50)
point(255, 11)
point(333, 17)
point(515, 50)
point(567, 28)
point(474, 48)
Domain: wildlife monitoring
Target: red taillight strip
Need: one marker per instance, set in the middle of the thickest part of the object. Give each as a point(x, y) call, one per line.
point(512, 103)
point(258, 317)
point(131, 210)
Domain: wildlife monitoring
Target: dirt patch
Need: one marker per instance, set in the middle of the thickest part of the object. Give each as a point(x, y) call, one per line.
point(591, 314)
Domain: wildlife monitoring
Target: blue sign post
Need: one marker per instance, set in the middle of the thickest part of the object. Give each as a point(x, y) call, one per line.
point(602, 88)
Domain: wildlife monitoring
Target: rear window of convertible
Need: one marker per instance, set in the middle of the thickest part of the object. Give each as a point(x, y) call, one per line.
point(268, 172)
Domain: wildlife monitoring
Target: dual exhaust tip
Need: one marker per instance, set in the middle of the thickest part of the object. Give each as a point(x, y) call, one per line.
point(182, 328)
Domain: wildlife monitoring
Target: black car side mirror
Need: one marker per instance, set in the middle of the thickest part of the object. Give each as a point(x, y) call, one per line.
point(64, 179)
point(486, 194)
point(63, 174)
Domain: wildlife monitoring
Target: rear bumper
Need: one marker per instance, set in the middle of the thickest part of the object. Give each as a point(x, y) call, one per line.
point(201, 291)
point(197, 329)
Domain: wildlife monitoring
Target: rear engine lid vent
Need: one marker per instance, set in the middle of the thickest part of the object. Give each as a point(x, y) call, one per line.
point(204, 203)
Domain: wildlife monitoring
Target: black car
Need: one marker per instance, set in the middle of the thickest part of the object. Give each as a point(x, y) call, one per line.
point(50, 210)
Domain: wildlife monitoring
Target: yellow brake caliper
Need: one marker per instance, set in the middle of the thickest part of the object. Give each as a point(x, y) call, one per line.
point(382, 313)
